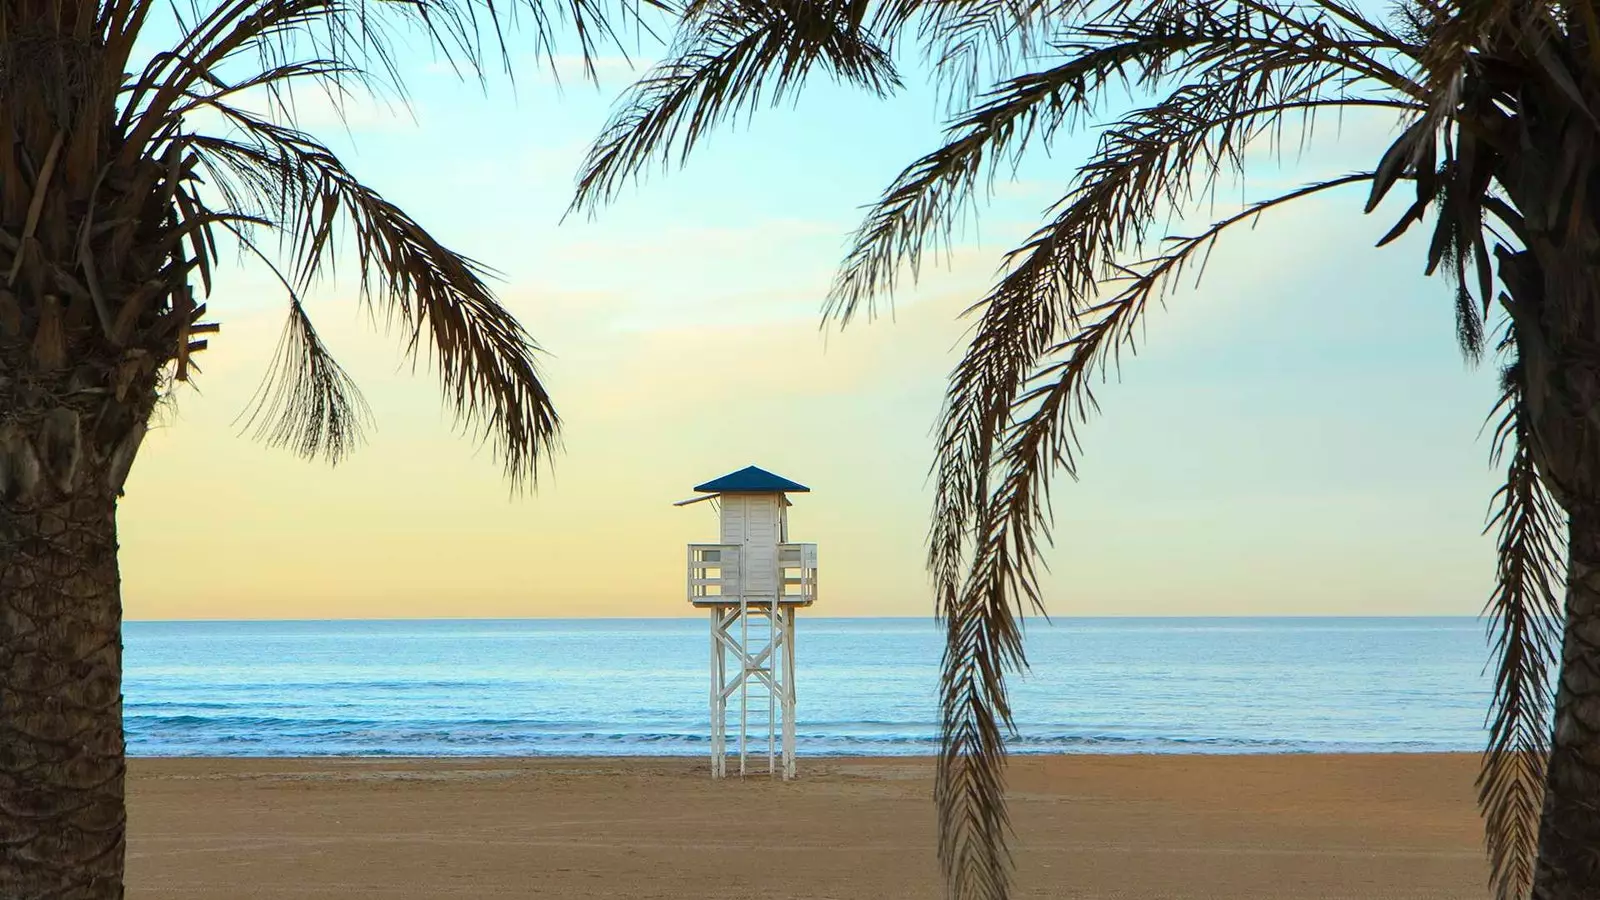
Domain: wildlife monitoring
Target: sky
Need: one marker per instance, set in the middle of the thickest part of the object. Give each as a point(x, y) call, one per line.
point(1298, 434)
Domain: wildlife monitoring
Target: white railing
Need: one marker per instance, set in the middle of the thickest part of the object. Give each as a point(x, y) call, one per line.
point(713, 571)
point(797, 571)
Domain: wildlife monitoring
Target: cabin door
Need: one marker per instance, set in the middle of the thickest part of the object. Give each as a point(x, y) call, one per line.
point(754, 521)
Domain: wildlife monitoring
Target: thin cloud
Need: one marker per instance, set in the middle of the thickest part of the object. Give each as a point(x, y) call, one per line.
point(611, 71)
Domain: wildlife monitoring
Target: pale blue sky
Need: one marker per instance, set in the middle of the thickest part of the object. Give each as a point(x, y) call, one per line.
point(1298, 435)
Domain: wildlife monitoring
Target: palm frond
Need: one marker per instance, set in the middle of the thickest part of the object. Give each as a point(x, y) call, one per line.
point(484, 357)
point(733, 56)
point(358, 37)
point(1162, 155)
point(1524, 614)
point(1243, 78)
point(338, 38)
point(968, 41)
point(1023, 432)
point(930, 195)
point(985, 541)
point(201, 134)
point(307, 402)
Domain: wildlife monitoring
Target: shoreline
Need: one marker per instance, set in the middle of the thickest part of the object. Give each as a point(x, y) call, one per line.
point(1360, 826)
point(821, 757)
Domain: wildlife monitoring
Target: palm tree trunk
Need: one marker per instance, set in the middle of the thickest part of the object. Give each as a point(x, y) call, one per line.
point(62, 818)
point(1568, 866)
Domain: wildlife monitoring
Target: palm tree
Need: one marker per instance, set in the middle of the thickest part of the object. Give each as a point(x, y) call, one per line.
point(1497, 104)
point(125, 172)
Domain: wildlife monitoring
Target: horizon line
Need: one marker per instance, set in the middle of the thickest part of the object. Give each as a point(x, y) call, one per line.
point(927, 618)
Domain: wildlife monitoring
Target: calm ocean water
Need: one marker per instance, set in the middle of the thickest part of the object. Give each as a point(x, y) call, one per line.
point(867, 687)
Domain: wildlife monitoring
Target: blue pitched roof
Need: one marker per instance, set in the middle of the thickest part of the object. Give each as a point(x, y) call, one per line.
point(751, 480)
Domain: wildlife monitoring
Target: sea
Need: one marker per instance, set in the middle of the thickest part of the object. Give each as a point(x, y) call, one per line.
point(867, 687)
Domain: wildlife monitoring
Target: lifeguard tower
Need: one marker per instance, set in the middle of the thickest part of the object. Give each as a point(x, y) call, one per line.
point(752, 583)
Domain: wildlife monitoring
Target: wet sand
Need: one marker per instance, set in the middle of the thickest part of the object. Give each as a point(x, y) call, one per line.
point(1369, 827)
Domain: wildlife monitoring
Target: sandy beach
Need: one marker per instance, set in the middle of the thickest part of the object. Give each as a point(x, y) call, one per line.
point(1368, 827)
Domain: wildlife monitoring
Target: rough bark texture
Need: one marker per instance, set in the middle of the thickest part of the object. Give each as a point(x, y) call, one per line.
point(1568, 866)
point(61, 743)
point(66, 445)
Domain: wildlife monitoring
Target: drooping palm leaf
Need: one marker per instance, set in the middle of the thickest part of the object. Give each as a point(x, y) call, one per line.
point(1013, 517)
point(730, 57)
point(288, 182)
point(307, 402)
point(1524, 615)
point(1157, 158)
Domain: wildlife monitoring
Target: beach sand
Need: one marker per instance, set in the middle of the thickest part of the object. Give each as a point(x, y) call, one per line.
point(1399, 827)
